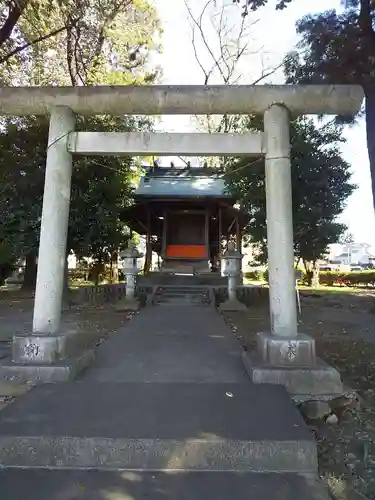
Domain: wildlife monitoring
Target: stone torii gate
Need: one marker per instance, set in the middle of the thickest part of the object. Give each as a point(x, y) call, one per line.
point(283, 346)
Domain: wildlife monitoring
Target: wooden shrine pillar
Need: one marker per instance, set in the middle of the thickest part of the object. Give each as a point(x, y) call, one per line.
point(238, 235)
point(148, 256)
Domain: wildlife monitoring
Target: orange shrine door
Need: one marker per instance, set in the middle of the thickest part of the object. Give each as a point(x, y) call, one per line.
point(186, 235)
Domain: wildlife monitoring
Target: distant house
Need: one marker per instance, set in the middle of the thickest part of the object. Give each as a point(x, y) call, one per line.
point(355, 254)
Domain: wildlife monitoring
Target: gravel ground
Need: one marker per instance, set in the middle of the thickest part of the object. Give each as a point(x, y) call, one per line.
point(344, 330)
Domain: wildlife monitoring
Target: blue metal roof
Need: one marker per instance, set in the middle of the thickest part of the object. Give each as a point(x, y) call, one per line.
point(182, 183)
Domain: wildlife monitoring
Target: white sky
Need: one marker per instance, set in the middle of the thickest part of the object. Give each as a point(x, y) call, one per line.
point(275, 34)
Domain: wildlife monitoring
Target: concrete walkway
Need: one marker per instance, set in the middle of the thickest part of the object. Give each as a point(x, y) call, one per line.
point(165, 412)
point(170, 344)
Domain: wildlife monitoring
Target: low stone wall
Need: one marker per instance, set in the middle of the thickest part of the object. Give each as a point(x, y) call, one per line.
point(164, 279)
point(111, 294)
point(248, 295)
point(106, 294)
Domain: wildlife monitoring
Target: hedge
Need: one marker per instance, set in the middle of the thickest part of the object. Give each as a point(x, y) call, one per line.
point(359, 278)
point(256, 275)
point(328, 278)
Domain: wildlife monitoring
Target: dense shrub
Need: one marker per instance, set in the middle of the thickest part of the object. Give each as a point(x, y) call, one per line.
point(265, 275)
point(357, 278)
point(6, 269)
point(256, 275)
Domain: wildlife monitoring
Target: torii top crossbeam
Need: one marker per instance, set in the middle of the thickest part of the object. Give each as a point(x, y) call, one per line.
point(185, 99)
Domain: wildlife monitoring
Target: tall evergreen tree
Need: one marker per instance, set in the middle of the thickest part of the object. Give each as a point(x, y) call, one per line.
point(110, 42)
point(339, 48)
point(320, 188)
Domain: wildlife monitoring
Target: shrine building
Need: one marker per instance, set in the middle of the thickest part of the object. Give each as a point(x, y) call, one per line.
point(187, 217)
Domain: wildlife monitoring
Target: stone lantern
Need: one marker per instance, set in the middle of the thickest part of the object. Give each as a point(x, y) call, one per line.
point(131, 268)
point(232, 265)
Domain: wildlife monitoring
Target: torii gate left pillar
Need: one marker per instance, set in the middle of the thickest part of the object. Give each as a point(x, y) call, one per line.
point(45, 345)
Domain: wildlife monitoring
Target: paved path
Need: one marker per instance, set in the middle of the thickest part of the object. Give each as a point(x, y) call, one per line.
point(168, 400)
point(170, 344)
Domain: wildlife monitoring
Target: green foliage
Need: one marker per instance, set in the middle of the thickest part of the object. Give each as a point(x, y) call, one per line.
point(256, 275)
point(71, 42)
point(361, 278)
point(101, 189)
point(256, 4)
point(320, 187)
point(23, 144)
point(77, 42)
point(339, 48)
point(334, 48)
point(7, 261)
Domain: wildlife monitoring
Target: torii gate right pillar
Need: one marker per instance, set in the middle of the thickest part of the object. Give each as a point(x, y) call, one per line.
point(283, 355)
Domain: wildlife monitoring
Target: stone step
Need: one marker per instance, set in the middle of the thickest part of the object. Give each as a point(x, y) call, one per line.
point(178, 303)
point(182, 296)
point(145, 426)
point(181, 291)
point(189, 295)
point(42, 484)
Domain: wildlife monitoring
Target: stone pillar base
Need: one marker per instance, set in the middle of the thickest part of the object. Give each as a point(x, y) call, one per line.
point(128, 305)
point(38, 349)
point(47, 358)
point(232, 305)
point(292, 362)
point(286, 351)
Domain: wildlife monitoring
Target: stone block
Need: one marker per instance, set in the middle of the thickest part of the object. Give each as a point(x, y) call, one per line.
point(38, 349)
point(156, 454)
point(191, 427)
point(303, 381)
point(286, 351)
point(60, 371)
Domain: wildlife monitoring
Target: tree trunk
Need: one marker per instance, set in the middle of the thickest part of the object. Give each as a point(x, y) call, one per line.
point(370, 132)
point(66, 302)
point(148, 256)
point(97, 271)
point(114, 267)
point(312, 274)
point(315, 283)
point(29, 279)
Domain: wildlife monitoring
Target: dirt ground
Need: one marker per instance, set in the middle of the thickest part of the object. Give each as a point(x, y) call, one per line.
point(16, 317)
point(344, 328)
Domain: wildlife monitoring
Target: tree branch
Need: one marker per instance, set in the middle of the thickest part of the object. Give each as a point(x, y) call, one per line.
point(15, 12)
point(266, 74)
point(198, 24)
point(33, 42)
point(69, 56)
point(205, 73)
point(110, 18)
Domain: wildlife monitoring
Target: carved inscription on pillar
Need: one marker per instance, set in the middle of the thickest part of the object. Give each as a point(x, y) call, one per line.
point(292, 351)
point(31, 350)
point(288, 350)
